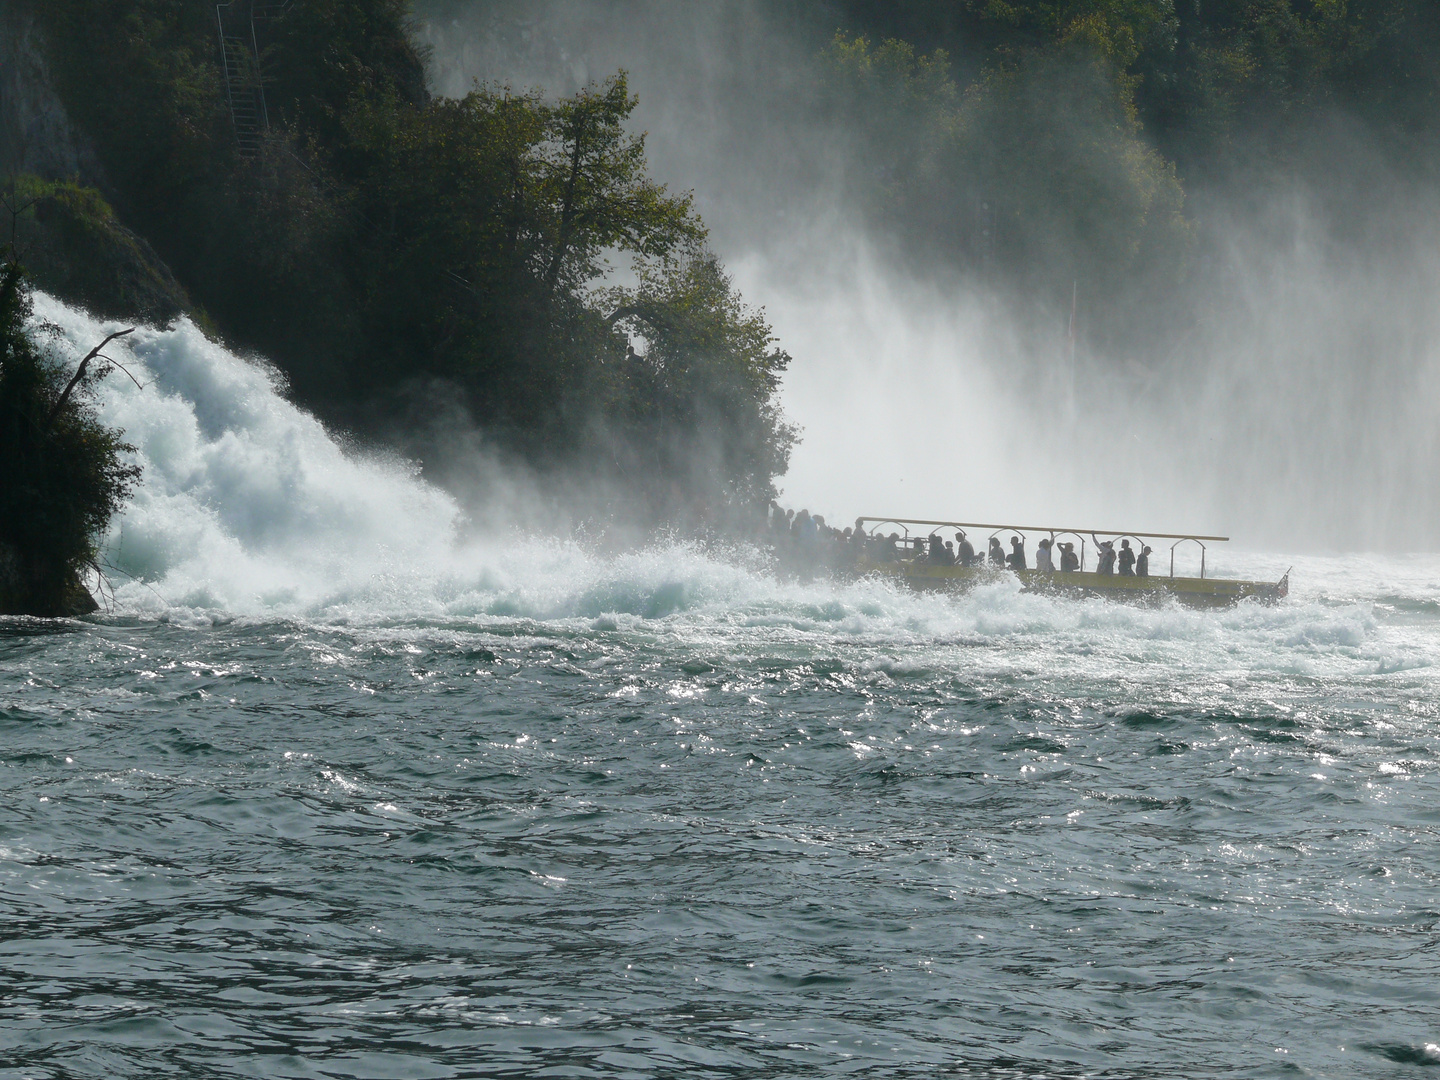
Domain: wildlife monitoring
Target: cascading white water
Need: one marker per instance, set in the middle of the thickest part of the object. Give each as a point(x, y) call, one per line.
point(249, 508)
point(338, 786)
point(246, 500)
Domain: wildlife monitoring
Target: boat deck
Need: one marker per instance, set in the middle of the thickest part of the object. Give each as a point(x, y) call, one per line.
point(1193, 592)
point(910, 560)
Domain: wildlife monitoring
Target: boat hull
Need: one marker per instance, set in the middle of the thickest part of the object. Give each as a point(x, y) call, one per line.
point(1193, 592)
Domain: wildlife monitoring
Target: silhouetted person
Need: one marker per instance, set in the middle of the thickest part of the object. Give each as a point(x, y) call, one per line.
point(1106, 565)
point(1142, 564)
point(997, 553)
point(964, 550)
point(937, 551)
point(1042, 556)
point(1016, 559)
point(1127, 559)
point(888, 551)
point(1069, 561)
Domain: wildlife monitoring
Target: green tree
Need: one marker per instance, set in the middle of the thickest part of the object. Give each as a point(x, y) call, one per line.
point(1038, 172)
point(1078, 194)
point(141, 81)
point(702, 401)
point(595, 194)
point(494, 217)
point(65, 473)
point(325, 55)
point(385, 248)
point(1248, 78)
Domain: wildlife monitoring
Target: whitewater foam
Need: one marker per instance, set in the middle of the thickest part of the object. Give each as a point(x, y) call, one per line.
point(247, 502)
point(249, 508)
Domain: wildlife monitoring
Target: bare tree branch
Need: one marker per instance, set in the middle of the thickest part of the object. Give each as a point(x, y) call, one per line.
point(80, 374)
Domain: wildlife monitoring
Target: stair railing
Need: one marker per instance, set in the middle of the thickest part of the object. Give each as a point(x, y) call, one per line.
point(250, 119)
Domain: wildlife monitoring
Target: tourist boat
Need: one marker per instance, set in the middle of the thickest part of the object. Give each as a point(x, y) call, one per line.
point(912, 564)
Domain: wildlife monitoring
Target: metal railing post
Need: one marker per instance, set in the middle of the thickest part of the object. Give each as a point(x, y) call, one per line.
point(259, 85)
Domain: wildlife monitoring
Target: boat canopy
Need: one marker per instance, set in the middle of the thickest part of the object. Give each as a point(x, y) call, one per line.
point(1138, 536)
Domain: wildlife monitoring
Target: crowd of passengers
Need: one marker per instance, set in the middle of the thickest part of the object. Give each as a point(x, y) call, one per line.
point(806, 539)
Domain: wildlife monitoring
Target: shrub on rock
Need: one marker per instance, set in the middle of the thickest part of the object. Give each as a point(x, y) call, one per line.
point(63, 474)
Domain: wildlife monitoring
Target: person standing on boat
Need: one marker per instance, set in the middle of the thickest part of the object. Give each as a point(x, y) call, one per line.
point(780, 530)
point(1142, 564)
point(937, 551)
point(965, 551)
point(807, 535)
point(1016, 560)
point(1106, 565)
point(1043, 560)
point(1127, 559)
point(997, 553)
point(1069, 561)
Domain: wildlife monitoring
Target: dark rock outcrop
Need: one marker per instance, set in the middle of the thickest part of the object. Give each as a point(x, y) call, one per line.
point(74, 247)
point(36, 135)
point(20, 596)
point(70, 240)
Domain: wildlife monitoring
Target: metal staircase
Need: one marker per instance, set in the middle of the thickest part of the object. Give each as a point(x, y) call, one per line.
point(240, 63)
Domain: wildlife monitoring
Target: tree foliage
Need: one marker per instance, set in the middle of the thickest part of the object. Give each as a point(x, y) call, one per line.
point(1206, 77)
point(497, 218)
point(65, 473)
point(493, 215)
point(1037, 172)
point(706, 409)
point(1043, 143)
point(384, 247)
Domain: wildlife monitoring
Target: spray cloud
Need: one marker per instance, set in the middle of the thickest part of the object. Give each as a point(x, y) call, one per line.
point(1283, 390)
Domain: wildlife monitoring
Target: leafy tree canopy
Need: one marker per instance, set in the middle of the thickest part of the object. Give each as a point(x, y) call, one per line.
point(65, 473)
point(389, 250)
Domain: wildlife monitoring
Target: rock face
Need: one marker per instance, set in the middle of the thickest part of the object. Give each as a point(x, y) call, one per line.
point(11, 582)
point(19, 596)
point(36, 135)
point(75, 248)
point(71, 242)
point(74, 245)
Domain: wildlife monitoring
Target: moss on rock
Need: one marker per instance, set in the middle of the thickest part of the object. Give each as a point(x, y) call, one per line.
point(75, 248)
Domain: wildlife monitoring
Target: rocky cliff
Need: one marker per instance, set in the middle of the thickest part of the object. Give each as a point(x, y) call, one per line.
point(57, 215)
point(36, 135)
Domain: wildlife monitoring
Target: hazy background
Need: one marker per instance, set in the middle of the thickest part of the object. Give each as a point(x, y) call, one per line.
point(1284, 393)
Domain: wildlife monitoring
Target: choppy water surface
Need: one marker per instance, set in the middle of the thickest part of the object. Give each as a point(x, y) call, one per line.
point(662, 816)
point(327, 794)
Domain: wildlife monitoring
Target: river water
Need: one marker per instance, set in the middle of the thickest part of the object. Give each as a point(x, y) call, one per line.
point(325, 793)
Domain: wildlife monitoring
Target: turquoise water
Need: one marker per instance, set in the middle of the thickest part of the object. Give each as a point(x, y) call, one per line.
point(329, 792)
point(776, 830)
